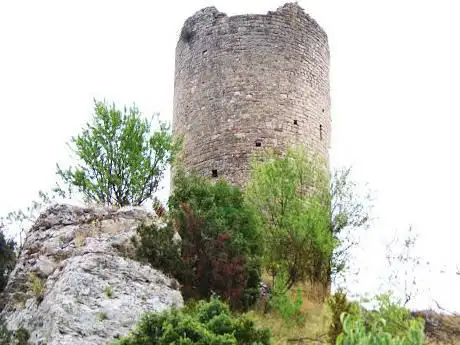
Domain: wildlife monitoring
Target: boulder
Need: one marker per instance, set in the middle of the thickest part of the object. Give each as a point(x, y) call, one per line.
point(77, 282)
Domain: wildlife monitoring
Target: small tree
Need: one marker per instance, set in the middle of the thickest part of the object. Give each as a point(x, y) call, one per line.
point(289, 195)
point(121, 162)
point(304, 213)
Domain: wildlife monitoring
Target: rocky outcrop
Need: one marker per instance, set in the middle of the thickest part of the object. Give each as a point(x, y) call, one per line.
point(76, 281)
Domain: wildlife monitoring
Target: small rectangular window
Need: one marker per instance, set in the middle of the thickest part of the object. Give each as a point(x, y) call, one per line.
point(214, 173)
point(295, 122)
point(258, 144)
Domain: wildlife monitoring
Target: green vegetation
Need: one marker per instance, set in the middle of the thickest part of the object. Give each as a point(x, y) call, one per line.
point(120, 161)
point(207, 323)
point(391, 324)
point(220, 246)
point(102, 315)
point(289, 197)
point(37, 286)
point(7, 258)
point(108, 291)
point(7, 337)
point(304, 215)
point(293, 226)
point(338, 304)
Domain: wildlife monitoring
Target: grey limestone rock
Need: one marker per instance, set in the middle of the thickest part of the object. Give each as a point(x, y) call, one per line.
point(76, 282)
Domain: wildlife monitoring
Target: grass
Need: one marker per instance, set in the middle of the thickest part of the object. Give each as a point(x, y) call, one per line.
point(313, 330)
point(37, 286)
point(108, 291)
point(101, 315)
point(80, 239)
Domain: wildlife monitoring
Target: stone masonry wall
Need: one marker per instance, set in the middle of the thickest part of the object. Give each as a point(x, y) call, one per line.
point(247, 82)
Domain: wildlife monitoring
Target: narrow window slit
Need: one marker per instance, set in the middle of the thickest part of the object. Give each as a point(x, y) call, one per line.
point(296, 123)
point(214, 173)
point(320, 132)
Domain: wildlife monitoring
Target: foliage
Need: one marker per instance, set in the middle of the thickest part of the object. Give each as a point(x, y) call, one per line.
point(101, 315)
point(289, 195)
point(290, 310)
point(156, 245)
point(355, 331)
point(7, 258)
point(306, 215)
point(120, 161)
point(108, 291)
point(22, 336)
point(220, 244)
point(37, 286)
point(398, 319)
point(7, 337)
point(389, 323)
point(338, 304)
point(208, 323)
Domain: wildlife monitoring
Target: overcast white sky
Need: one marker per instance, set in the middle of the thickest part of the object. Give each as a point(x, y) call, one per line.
point(394, 79)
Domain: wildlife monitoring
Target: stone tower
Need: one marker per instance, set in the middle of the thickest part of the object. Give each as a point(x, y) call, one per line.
point(247, 82)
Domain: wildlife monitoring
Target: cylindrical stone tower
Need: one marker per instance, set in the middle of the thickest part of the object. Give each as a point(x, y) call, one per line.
point(244, 83)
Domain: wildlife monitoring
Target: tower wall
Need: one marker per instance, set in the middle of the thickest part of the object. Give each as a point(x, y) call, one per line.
point(247, 82)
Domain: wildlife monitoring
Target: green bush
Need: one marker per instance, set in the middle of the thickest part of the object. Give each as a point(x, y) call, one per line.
point(289, 196)
point(156, 245)
point(220, 247)
point(290, 310)
point(390, 324)
point(358, 332)
point(205, 323)
point(307, 215)
point(398, 320)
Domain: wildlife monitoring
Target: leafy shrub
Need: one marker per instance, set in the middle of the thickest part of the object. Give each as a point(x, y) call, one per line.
point(290, 310)
point(121, 162)
point(220, 248)
point(338, 305)
point(307, 216)
point(355, 331)
point(398, 320)
point(389, 324)
point(206, 323)
point(22, 336)
point(156, 245)
point(289, 196)
point(7, 258)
